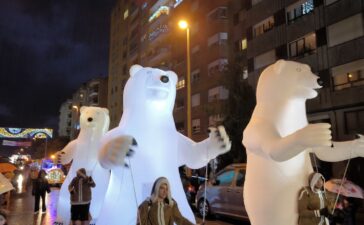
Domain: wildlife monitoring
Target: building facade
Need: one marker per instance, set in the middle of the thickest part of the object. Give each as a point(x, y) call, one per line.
point(65, 118)
point(91, 93)
point(328, 35)
point(151, 31)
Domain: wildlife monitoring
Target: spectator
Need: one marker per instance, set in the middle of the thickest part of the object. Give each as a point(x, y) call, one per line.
point(80, 189)
point(160, 208)
point(40, 187)
point(313, 204)
point(3, 218)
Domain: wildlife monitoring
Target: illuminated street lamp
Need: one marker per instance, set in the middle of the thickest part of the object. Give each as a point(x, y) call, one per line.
point(184, 26)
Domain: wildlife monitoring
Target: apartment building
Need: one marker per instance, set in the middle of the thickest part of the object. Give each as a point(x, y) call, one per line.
point(91, 93)
point(328, 35)
point(65, 117)
point(160, 43)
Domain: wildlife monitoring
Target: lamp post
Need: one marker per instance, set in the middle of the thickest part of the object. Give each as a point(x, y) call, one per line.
point(184, 25)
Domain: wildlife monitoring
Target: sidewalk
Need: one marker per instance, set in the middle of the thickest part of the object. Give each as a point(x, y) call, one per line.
point(22, 204)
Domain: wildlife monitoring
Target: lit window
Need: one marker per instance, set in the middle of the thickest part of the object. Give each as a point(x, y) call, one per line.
point(303, 46)
point(264, 26)
point(180, 83)
point(299, 9)
point(348, 75)
point(126, 14)
point(244, 44)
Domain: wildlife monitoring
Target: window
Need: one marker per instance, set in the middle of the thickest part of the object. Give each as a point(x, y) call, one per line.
point(195, 100)
point(244, 74)
point(240, 178)
point(348, 75)
point(194, 28)
point(126, 14)
point(345, 30)
point(180, 83)
point(215, 120)
point(264, 59)
point(180, 104)
point(194, 6)
point(302, 46)
point(217, 93)
point(264, 26)
point(354, 122)
point(226, 178)
point(328, 2)
point(217, 66)
point(244, 44)
point(299, 9)
point(195, 49)
point(195, 76)
point(196, 126)
point(180, 127)
point(254, 2)
point(217, 39)
point(218, 13)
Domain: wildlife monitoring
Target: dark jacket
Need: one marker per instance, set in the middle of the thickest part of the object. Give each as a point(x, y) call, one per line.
point(148, 212)
point(80, 189)
point(40, 186)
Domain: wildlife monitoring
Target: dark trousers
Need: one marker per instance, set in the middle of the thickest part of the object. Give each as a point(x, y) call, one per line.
point(36, 202)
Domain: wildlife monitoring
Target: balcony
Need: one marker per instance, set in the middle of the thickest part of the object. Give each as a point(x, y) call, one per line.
point(159, 56)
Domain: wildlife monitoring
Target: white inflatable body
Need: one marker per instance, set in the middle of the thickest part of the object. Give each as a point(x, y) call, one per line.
point(149, 97)
point(279, 139)
point(94, 122)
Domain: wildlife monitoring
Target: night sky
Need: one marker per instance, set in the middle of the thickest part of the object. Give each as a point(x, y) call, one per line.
point(48, 48)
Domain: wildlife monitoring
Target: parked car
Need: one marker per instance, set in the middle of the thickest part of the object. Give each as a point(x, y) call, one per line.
point(224, 193)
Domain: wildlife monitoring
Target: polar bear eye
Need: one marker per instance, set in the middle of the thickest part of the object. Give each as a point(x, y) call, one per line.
point(298, 69)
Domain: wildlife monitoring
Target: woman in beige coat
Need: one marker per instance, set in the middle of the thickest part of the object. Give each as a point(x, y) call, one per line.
point(314, 204)
point(160, 208)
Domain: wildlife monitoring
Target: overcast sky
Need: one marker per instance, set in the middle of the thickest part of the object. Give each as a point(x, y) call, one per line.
point(48, 48)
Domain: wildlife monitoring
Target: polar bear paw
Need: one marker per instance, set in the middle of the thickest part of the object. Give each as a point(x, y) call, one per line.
point(359, 142)
point(219, 142)
point(119, 148)
point(314, 135)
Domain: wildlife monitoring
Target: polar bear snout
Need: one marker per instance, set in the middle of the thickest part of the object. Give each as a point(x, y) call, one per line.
point(164, 79)
point(320, 82)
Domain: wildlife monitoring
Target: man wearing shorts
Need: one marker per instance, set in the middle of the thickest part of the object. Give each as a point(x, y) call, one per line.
point(80, 190)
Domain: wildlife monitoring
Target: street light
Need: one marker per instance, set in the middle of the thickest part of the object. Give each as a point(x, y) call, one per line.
point(184, 26)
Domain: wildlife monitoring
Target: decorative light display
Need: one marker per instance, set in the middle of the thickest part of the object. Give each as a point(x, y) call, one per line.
point(6, 132)
point(163, 10)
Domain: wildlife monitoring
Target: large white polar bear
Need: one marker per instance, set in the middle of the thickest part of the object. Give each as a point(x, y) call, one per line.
point(279, 139)
point(94, 123)
point(149, 97)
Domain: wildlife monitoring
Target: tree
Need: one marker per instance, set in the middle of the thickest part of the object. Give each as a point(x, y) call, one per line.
point(237, 110)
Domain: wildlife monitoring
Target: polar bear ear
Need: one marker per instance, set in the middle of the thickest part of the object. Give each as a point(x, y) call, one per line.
point(83, 108)
point(278, 66)
point(105, 110)
point(134, 69)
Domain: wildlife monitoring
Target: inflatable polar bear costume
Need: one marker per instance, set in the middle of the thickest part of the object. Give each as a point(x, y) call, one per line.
point(94, 122)
point(279, 139)
point(149, 97)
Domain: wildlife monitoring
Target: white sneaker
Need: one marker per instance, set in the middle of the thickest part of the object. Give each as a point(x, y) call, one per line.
point(36, 212)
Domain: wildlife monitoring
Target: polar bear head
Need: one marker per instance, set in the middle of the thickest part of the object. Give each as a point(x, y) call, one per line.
point(150, 88)
point(286, 80)
point(94, 118)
